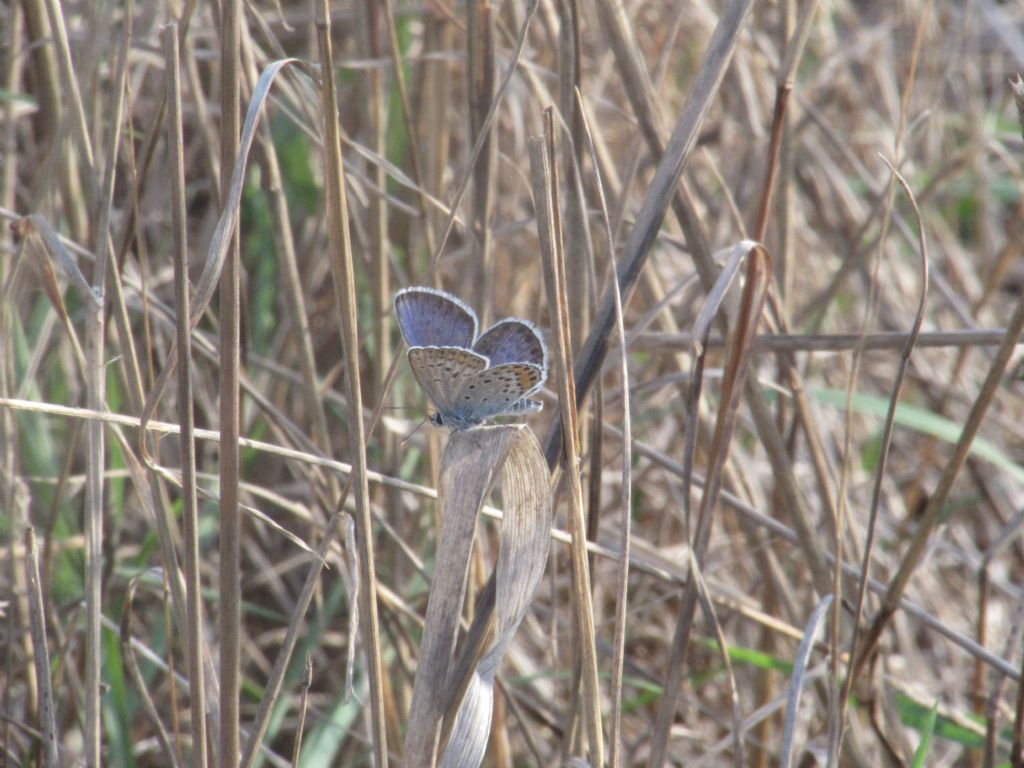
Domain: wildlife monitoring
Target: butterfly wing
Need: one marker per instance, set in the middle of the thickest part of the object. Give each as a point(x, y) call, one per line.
point(494, 391)
point(432, 318)
point(513, 341)
point(442, 373)
point(516, 341)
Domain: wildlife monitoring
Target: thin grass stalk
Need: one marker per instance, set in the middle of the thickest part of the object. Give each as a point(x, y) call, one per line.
point(13, 70)
point(797, 680)
point(41, 655)
point(979, 701)
point(674, 157)
point(432, 107)
point(783, 88)
point(480, 66)
point(70, 88)
point(1017, 744)
point(9, 482)
point(934, 510)
point(141, 687)
point(481, 139)
point(96, 455)
point(344, 290)
point(1017, 751)
point(782, 234)
point(307, 683)
point(736, 369)
point(711, 616)
point(625, 519)
point(780, 153)
point(165, 596)
point(652, 212)
point(836, 736)
point(542, 162)
point(832, 342)
point(293, 290)
point(95, 435)
point(415, 169)
point(230, 518)
point(576, 234)
point(377, 254)
point(186, 419)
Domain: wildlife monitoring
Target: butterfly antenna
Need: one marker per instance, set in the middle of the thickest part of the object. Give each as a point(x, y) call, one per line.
point(414, 431)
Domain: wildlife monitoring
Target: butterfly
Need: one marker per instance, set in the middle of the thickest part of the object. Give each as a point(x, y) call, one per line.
point(468, 378)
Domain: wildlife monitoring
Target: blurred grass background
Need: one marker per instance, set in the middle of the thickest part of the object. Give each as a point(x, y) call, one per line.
point(924, 85)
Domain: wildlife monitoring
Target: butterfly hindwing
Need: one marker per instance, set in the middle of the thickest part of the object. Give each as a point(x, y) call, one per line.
point(494, 391)
point(513, 341)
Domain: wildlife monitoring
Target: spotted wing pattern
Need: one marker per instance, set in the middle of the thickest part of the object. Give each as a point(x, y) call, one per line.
point(491, 392)
point(432, 318)
point(443, 371)
point(469, 379)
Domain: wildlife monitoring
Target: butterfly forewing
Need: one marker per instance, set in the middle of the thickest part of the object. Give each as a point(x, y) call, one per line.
point(432, 318)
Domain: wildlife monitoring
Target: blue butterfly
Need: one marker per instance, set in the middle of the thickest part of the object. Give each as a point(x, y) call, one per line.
point(469, 379)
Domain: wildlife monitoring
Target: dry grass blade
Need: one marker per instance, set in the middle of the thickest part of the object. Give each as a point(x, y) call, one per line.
point(545, 193)
point(886, 446)
point(125, 638)
point(471, 461)
point(95, 379)
point(711, 615)
point(751, 306)
point(57, 250)
point(652, 212)
point(190, 503)
point(783, 88)
point(831, 342)
point(484, 131)
point(30, 231)
point(229, 577)
point(625, 522)
point(41, 655)
point(343, 278)
point(206, 285)
point(701, 330)
point(798, 679)
point(936, 504)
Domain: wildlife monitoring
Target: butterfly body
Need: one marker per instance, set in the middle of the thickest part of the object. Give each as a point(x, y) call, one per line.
point(469, 379)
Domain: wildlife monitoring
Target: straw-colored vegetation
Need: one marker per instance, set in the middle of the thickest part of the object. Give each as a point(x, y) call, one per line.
point(788, 494)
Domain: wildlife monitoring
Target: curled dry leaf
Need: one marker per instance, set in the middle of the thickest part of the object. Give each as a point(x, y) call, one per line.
point(472, 460)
